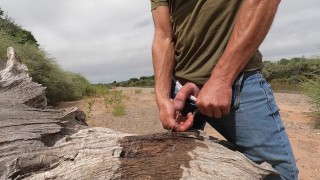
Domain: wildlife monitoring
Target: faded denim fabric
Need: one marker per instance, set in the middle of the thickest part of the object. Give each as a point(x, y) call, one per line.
point(254, 125)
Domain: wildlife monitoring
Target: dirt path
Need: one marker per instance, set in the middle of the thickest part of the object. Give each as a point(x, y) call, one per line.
point(305, 140)
point(141, 117)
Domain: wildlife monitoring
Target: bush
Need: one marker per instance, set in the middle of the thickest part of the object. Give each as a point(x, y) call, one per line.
point(101, 90)
point(137, 91)
point(61, 85)
point(295, 70)
point(119, 110)
point(312, 89)
point(144, 81)
point(113, 98)
point(21, 35)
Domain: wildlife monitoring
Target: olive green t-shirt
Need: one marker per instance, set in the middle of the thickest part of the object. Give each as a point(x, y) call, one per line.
point(201, 31)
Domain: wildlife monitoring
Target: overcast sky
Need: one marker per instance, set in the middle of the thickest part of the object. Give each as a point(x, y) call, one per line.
point(107, 40)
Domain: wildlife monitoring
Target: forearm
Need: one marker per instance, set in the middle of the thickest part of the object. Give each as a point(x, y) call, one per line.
point(251, 27)
point(162, 53)
point(163, 64)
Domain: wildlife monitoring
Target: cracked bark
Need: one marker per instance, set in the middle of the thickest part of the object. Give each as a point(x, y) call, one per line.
point(40, 143)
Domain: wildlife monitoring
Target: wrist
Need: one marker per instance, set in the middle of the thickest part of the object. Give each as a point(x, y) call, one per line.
point(223, 78)
point(162, 96)
point(224, 74)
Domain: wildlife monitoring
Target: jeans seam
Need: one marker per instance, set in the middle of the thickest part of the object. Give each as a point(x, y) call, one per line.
point(278, 127)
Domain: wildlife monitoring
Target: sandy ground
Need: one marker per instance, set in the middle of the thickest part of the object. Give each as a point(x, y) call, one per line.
point(141, 117)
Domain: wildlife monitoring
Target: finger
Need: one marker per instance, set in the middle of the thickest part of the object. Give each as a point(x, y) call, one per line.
point(176, 128)
point(181, 97)
point(209, 112)
point(173, 123)
point(181, 120)
point(170, 124)
point(201, 109)
point(217, 113)
point(166, 126)
point(187, 123)
point(226, 110)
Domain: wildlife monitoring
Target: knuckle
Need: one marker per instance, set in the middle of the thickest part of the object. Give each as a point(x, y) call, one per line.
point(209, 115)
point(165, 126)
point(217, 116)
point(202, 111)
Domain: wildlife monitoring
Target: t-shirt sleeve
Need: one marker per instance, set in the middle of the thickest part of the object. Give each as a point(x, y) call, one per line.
point(157, 3)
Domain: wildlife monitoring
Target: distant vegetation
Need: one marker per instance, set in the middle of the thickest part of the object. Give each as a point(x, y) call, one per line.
point(143, 81)
point(61, 85)
point(312, 89)
point(304, 72)
point(114, 100)
point(295, 70)
point(301, 71)
point(19, 34)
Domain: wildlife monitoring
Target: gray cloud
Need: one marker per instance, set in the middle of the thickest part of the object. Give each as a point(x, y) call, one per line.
point(111, 40)
point(295, 31)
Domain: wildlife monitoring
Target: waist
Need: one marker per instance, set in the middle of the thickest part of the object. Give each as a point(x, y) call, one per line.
point(244, 73)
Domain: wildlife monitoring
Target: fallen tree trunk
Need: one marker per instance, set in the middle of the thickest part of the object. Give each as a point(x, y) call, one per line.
point(40, 143)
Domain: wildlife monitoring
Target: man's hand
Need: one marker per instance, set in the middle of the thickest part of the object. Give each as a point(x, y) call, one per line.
point(167, 115)
point(214, 99)
point(171, 120)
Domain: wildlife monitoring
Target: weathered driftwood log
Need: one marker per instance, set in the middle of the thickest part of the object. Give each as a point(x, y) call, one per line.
point(40, 143)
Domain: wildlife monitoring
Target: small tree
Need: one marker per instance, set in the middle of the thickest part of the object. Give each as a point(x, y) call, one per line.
point(1, 13)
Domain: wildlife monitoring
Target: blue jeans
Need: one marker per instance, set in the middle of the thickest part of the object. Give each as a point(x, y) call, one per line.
point(254, 125)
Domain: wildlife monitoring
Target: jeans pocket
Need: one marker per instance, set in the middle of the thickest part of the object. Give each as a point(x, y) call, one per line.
point(269, 94)
point(236, 90)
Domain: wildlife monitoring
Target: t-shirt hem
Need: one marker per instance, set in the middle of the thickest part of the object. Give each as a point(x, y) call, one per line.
point(203, 80)
point(155, 5)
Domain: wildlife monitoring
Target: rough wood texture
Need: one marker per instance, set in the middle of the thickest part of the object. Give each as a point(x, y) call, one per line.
point(40, 143)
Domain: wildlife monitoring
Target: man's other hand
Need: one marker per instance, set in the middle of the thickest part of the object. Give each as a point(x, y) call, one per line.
point(214, 99)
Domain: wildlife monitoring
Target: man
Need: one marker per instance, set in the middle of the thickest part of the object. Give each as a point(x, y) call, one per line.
point(212, 45)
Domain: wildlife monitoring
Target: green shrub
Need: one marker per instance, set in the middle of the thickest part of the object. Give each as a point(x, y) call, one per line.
point(61, 85)
point(89, 107)
point(137, 91)
point(119, 110)
point(144, 81)
point(312, 89)
point(295, 70)
point(101, 90)
point(113, 98)
point(21, 35)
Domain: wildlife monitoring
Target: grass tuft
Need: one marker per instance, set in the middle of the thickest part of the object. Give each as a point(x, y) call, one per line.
point(137, 91)
point(89, 108)
point(119, 110)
